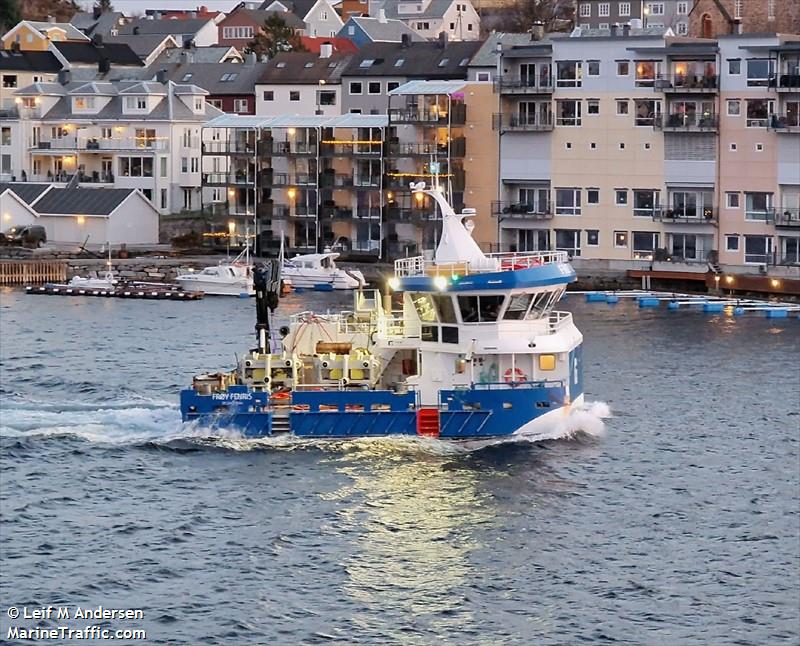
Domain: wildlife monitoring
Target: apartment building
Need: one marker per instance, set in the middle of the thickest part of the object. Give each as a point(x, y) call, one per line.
point(634, 147)
point(456, 19)
point(601, 14)
point(122, 134)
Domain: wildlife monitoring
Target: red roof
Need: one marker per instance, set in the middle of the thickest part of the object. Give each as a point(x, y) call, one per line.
point(183, 14)
point(340, 45)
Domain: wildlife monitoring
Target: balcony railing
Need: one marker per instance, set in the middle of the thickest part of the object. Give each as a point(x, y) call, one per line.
point(521, 210)
point(457, 115)
point(350, 149)
point(786, 82)
point(785, 122)
point(409, 214)
point(524, 123)
point(336, 212)
point(228, 148)
point(367, 181)
point(686, 122)
point(335, 180)
point(288, 148)
point(690, 83)
point(227, 179)
point(788, 217)
point(426, 149)
point(369, 212)
point(523, 85)
point(704, 215)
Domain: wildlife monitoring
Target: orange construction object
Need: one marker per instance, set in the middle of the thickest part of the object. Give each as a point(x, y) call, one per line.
point(428, 422)
point(324, 347)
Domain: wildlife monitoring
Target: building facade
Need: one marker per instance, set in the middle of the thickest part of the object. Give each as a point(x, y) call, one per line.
point(714, 18)
point(638, 148)
point(601, 14)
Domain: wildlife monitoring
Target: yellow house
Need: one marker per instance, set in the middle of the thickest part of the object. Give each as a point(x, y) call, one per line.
point(31, 35)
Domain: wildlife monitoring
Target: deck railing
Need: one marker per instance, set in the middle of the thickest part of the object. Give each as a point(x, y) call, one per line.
point(418, 265)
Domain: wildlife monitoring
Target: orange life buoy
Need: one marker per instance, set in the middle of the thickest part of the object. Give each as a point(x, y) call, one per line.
point(281, 395)
point(514, 375)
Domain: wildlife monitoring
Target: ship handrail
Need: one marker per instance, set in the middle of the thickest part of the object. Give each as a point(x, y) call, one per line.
point(502, 385)
point(558, 319)
point(505, 261)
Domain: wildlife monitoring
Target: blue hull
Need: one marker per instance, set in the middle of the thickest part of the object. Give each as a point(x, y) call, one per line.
point(482, 412)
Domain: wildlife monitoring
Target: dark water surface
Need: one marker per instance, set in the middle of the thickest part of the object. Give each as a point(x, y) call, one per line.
point(680, 526)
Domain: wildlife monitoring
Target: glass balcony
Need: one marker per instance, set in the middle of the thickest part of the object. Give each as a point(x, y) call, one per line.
point(686, 122)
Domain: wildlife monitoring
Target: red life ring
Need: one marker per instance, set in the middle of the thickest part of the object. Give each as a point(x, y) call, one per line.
point(512, 376)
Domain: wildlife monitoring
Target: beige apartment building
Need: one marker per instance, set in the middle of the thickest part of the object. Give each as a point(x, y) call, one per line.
point(641, 149)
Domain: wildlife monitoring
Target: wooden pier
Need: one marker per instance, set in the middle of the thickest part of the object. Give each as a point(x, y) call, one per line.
point(32, 272)
point(148, 292)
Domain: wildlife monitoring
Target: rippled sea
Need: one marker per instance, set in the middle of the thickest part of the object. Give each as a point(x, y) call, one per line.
point(678, 525)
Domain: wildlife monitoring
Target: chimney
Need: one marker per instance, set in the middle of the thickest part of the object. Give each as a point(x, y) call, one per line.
point(443, 39)
point(157, 15)
point(192, 14)
point(97, 40)
point(382, 15)
point(737, 26)
point(97, 11)
point(161, 77)
point(104, 65)
point(51, 19)
point(626, 30)
point(325, 50)
point(64, 77)
point(537, 30)
point(250, 59)
point(405, 41)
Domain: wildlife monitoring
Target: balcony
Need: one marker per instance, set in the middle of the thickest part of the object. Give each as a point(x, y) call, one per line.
point(785, 123)
point(686, 123)
point(522, 123)
point(687, 83)
point(228, 148)
point(688, 215)
point(335, 212)
point(523, 85)
point(367, 181)
point(227, 179)
point(416, 215)
point(505, 210)
point(788, 218)
point(368, 212)
point(335, 180)
point(351, 149)
point(786, 83)
point(428, 149)
point(303, 211)
point(457, 116)
point(292, 148)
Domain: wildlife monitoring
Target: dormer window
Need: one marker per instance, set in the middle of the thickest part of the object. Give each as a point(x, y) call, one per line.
point(136, 103)
point(83, 103)
point(199, 104)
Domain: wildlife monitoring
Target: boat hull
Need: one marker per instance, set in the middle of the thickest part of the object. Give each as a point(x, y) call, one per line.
point(468, 415)
point(190, 284)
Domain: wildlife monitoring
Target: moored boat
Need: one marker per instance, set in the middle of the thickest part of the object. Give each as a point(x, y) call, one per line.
point(474, 351)
point(228, 278)
point(313, 269)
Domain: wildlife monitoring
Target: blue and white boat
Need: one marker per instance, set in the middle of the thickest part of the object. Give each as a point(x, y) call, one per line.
point(475, 353)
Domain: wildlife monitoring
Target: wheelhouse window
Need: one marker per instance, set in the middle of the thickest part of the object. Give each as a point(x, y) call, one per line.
point(517, 307)
point(568, 74)
point(480, 309)
point(760, 71)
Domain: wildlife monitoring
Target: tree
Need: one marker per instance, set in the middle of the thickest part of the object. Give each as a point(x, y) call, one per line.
point(555, 15)
point(275, 37)
point(105, 6)
point(9, 14)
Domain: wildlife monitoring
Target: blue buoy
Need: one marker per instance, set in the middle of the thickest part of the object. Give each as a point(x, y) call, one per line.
point(776, 313)
point(595, 297)
point(673, 305)
point(648, 301)
point(713, 307)
point(738, 311)
point(299, 290)
point(323, 287)
point(244, 295)
point(612, 299)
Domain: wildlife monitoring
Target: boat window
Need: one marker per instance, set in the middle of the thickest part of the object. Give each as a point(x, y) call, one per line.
point(444, 305)
point(469, 308)
point(540, 304)
point(423, 303)
point(430, 333)
point(490, 308)
point(518, 306)
point(449, 334)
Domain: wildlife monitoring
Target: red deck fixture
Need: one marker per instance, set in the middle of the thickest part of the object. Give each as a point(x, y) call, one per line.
point(428, 422)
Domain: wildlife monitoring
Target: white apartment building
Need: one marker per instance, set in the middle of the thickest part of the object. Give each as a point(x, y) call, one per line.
point(122, 134)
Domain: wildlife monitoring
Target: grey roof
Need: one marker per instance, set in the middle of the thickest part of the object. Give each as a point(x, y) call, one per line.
point(211, 54)
point(606, 33)
point(427, 60)
point(97, 88)
point(436, 9)
point(385, 31)
point(305, 67)
point(240, 78)
point(142, 44)
point(168, 108)
point(103, 24)
point(27, 192)
point(81, 201)
point(299, 8)
point(258, 16)
point(486, 56)
point(89, 53)
point(188, 27)
point(73, 33)
point(29, 61)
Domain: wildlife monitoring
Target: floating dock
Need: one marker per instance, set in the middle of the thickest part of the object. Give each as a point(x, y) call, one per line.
point(148, 292)
point(709, 304)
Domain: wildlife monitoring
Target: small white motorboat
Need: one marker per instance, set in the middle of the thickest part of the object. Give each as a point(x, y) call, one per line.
point(314, 270)
point(107, 282)
point(228, 278)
